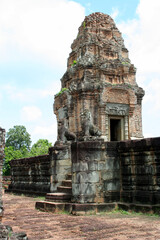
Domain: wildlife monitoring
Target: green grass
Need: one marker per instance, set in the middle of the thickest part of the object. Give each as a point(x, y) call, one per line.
point(39, 198)
point(63, 212)
point(129, 213)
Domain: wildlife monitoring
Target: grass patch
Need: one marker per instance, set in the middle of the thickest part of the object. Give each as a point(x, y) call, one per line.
point(121, 212)
point(39, 198)
point(63, 212)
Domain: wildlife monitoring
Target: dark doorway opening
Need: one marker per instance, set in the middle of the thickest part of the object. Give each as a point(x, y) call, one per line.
point(115, 129)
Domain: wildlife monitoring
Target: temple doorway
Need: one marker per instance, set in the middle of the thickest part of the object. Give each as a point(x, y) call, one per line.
point(116, 129)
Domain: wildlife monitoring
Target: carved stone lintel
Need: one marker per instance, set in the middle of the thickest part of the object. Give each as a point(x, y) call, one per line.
point(117, 109)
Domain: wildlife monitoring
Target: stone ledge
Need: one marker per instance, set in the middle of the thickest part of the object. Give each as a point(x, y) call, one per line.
point(25, 192)
point(53, 206)
point(93, 208)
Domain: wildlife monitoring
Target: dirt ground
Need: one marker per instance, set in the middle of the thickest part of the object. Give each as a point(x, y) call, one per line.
point(21, 215)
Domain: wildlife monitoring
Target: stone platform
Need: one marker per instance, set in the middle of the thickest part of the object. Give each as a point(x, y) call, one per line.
point(94, 208)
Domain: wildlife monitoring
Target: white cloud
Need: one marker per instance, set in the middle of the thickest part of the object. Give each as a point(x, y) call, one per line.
point(46, 132)
point(1, 96)
point(30, 113)
point(142, 38)
point(115, 13)
point(38, 28)
point(153, 95)
point(29, 94)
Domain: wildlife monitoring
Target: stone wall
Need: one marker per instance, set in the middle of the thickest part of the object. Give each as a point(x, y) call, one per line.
point(102, 172)
point(30, 175)
point(140, 171)
point(126, 172)
point(6, 181)
point(41, 174)
point(2, 144)
point(96, 172)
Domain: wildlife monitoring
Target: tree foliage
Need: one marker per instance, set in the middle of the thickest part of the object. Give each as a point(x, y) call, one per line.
point(10, 154)
point(40, 147)
point(18, 137)
point(18, 143)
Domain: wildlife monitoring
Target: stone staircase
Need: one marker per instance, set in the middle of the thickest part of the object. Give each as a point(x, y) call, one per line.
point(64, 191)
point(60, 200)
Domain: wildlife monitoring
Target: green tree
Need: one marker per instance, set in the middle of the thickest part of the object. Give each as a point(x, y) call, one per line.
point(40, 147)
point(18, 138)
point(18, 143)
point(10, 154)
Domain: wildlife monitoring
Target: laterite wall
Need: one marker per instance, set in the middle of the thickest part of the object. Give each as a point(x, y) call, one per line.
point(140, 171)
point(30, 175)
point(126, 171)
point(41, 174)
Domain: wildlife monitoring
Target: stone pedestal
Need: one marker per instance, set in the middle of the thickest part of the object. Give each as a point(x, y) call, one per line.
point(95, 172)
point(60, 165)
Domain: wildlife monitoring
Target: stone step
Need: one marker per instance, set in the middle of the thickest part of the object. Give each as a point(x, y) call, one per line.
point(64, 189)
point(75, 208)
point(69, 176)
point(58, 197)
point(53, 206)
point(67, 183)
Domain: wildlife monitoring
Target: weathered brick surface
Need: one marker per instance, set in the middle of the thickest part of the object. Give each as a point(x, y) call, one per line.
point(2, 145)
point(6, 181)
point(101, 78)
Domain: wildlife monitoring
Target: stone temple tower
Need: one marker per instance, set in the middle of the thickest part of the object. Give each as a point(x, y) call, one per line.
point(99, 95)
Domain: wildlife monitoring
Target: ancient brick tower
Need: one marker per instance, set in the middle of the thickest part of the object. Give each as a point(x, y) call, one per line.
point(99, 94)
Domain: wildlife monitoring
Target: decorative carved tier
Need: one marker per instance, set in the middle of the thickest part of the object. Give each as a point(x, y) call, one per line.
point(100, 78)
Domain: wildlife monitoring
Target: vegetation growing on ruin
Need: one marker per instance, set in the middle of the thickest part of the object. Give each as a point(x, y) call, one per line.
point(74, 63)
point(125, 63)
point(128, 85)
point(62, 90)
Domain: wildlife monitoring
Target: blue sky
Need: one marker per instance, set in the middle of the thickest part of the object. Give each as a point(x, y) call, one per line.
point(35, 40)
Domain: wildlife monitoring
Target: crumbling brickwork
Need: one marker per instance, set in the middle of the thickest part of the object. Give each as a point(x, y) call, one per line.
point(2, 145)
point(100, 78)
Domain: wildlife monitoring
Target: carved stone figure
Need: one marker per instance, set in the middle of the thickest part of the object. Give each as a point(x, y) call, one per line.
point(88, 128)
point(64, 134)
